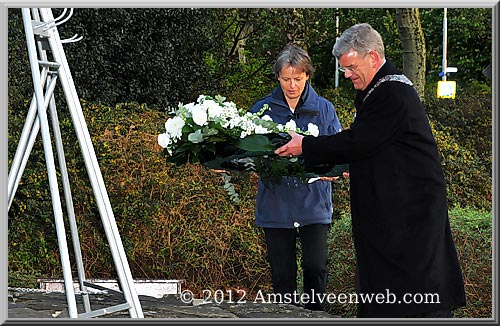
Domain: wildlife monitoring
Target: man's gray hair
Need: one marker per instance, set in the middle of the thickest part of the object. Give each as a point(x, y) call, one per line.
point(361, 38)
point(296, 57)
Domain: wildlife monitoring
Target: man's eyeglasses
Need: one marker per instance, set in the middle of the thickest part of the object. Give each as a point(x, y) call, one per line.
point(351, 68)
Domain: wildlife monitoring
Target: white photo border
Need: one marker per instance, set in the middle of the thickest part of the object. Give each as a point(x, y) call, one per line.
point(6, 4)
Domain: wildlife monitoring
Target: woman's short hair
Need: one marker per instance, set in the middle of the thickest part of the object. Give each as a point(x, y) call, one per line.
point(293, 56)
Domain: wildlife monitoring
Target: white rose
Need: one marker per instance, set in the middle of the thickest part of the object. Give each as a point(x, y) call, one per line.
point(189, 107)
point(313, 129)
point(214, 109)
point(291, 125)
point(164, 140)
point(200, 116)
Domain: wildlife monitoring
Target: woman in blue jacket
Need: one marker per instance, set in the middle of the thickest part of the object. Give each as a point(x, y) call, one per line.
point(296, 209)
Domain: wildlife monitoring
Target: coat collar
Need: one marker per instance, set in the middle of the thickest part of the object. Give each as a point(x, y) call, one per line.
point(308, 100)
point(388, 68)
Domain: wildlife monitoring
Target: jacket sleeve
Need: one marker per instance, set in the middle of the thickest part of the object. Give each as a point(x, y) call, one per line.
point(256, 106)
point(378, 123)
point(335, 125)
point(329, 118)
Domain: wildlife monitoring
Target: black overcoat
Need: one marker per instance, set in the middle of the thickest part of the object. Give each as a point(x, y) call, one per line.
point(404, 247)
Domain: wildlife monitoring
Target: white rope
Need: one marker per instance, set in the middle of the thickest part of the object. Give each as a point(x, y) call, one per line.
point(27, 290)
point(32, 290)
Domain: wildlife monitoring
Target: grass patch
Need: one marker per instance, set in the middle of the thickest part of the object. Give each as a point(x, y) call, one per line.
point(472, 232)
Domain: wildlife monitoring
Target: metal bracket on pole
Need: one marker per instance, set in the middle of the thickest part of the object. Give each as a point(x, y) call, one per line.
point(41, 36)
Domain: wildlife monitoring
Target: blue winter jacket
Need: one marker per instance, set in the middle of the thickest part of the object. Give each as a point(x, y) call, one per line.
point(294, 203)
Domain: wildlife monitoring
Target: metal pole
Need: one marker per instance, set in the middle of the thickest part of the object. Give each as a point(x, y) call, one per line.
point(65, 179)
point(336, 59)
point(51, 171)
point(26, 142)
point(96, 179)
point(25, 146)
point(69, 204)
point(445, 41)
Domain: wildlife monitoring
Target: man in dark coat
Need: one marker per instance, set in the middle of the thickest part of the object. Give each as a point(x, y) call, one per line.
point(404, 248)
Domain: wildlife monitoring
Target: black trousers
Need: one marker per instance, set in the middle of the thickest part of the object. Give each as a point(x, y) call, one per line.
point(282, 256)
point(442, 312)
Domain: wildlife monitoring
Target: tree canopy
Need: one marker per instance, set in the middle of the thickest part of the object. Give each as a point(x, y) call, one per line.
point(161, 56)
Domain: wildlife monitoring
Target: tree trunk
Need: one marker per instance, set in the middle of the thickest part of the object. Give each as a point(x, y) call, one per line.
point(413, 42)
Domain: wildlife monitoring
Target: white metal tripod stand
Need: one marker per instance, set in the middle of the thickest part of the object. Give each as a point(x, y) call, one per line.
point(42, 36)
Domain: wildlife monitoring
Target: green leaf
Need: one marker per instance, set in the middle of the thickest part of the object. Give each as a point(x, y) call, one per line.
point(185, 147)
point(255, 143)
point(195, 137)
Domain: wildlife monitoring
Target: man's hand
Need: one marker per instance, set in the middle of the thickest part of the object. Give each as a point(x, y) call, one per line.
point(329, 178)
point(293, 147)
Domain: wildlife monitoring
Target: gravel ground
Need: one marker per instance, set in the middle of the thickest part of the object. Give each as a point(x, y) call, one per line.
point(54, 305)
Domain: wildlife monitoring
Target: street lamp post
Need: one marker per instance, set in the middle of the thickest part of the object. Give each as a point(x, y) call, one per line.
point(446, 89)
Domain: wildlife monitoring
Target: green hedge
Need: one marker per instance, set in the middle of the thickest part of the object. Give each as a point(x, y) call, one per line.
point(463, 130)
point(179, 223)
point(126, 53)
point(175, 222)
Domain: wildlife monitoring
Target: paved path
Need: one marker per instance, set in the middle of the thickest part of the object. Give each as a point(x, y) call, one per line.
point(54, 305)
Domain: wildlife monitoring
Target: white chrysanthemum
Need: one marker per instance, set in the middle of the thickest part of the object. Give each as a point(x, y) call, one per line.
point(291, 125)
point(229, 112)
point(261, 130)
point(230, 105)
point(200, 116)
point(235, 122)
point(313, 129)
point(174, 127)
point(247, 127)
